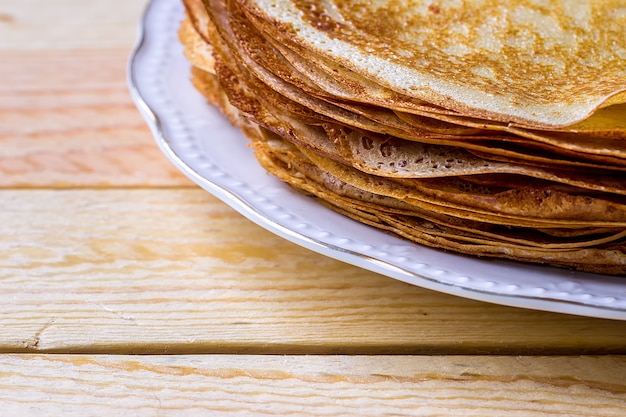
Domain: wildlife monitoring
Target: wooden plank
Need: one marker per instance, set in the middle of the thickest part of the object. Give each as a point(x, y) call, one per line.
point(177, 271)
point(66, 116)
point(68, 24)
point(225, 385)
point(67, 120)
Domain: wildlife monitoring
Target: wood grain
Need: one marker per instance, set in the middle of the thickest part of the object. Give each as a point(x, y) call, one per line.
point(67, 120)
point(177, 271)
point(38, 25)
point(225, 385)
point(66, 116)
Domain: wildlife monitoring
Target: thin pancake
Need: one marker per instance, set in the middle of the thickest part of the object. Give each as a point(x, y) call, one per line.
point(436, 176)
point(461, 55)
point(417, 229)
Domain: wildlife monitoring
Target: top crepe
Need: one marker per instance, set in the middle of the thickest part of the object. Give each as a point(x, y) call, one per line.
point(541, 63)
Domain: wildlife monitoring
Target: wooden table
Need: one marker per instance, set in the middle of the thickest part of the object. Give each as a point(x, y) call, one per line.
point(127, 290)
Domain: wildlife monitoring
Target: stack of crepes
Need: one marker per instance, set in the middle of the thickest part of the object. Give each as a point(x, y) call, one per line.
point(488, 128)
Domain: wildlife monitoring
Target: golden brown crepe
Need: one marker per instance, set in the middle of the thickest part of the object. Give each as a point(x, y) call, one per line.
point(447, 132)
point(537, 63)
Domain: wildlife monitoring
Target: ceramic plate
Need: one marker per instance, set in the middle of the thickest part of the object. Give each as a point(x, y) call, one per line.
point(203, 145)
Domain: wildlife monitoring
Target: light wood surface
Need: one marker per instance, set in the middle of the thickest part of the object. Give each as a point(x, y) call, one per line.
point(107, 251)
point(175, 270)
point(234, 385)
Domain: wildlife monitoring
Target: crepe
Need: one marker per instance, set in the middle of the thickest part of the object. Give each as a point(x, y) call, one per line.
point(593, 141)
point(499, 166)
point(537, 64)
point(602, 252)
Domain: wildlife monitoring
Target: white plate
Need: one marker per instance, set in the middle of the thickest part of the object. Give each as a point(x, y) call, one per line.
point(203, 145)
